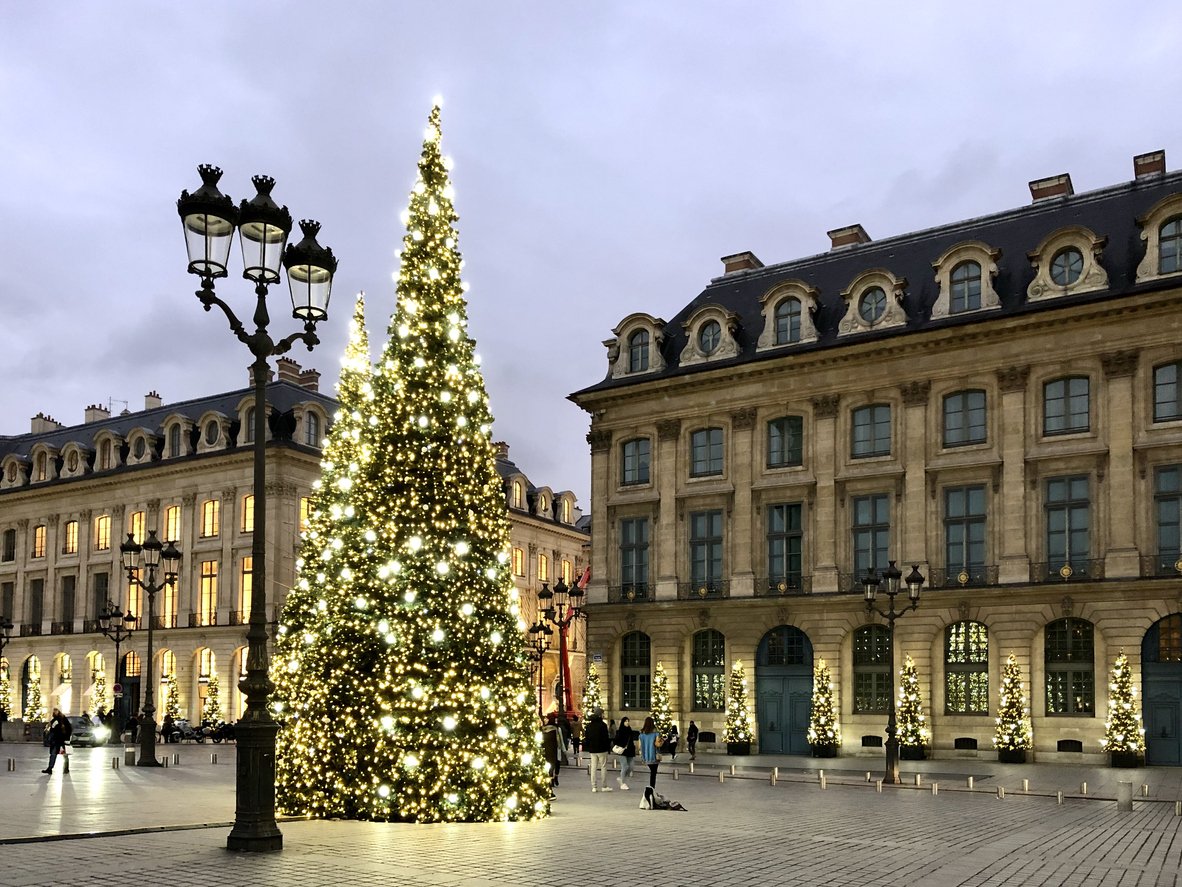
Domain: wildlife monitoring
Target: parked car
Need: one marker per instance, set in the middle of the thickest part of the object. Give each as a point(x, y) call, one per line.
point(87, 734)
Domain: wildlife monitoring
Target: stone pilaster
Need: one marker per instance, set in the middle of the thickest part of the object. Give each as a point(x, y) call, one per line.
point(741, 542)
point(911, 544)
point(825, 507)
point(1122, 558)
point(600, 442)
point(1014, 559)
point(664, 535)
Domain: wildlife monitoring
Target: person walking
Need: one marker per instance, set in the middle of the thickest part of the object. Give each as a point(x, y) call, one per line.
point(691, 740)
point(59, 734)
point(650, 746)
point(626, 740)
point(598, 742)
point(671, 743)
point(552, 748)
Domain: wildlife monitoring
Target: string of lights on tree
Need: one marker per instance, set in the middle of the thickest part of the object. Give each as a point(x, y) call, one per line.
point(34, 710)
point(661, 711)
point(1123, 731)
point(98, 677)
point(172, 696)
point(592, 694)
point(402, 684)
point(824, 729)
point(5, 689)
point(912, 723)
point(211, 709)
point(738, 714)
point(1013, 715)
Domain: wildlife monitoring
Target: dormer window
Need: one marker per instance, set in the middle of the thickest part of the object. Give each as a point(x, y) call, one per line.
point(174, 441)
point(709, 336)
point(872, 304)
point(248, 426)
point(966, 287)
point(965, 275)
point(788, 321)
point(1161, 229)
point(212, 432)
point(636, 347)
point(1067, 262)
point(105, 455)
point(312, 429)
point(874, 301)
point(1170, 245)
point(139, 448)
point(42, 471)
point(1067, 266)
point(72, 461)
point(638, 351)
point(518, 494)
point(787, 315)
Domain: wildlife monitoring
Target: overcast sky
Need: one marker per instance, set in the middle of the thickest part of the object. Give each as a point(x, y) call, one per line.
point(606, 155)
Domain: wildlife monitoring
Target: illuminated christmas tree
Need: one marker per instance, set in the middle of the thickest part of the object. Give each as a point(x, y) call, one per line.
point(5, 689)
point(592, 696)
point(824, 730)
point(34, 710)
point(662, 714)
point(99, 699)
point(403, 681)
point(1123, 731)
point(212, 709)
point(738, 715)
point(1013, 716)
point(172, 696)
point(912, 728)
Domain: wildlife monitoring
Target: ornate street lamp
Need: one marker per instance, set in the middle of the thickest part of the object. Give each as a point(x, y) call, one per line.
point(561, 607)
point(536, 648)
point(5, 636)
point(870, 584)
point(209, 219)
point(118, 627)
point(151, 553)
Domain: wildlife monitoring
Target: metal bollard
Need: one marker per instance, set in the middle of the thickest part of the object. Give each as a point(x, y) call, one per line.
point(1145, 790)
point(12, 765)
point(732, 770)
point(1124, 797)
point(213, 758)
point(776, 772)
point(691, 766)
point(1178, 808)
point(164, 761)
point(935, 788)
point(129, 757)
point(720, 775)
point(918, 779)
point(822, 780)
point(1001, 793)
point(1083, 788)
point(970, 782)
point(114, 763)
point(1059, 798)
point(878, 786)
point(176, 759)
point(867, 775)
point(1025, 785)
point(774, 776)
point(676, 777)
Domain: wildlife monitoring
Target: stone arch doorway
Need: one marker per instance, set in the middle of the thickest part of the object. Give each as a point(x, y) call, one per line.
point(783, 691)
point(1161, 690)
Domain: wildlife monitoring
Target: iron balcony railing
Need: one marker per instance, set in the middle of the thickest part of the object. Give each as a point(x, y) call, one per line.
point(199, 620)
point(89, 625)
point(1162, 564)
point(707, 589)
point(30, 629)
point(62, 627)
point(1073, 570)
point(636, 593)
point(166, 621)
point(963, 577)
point(783, 586)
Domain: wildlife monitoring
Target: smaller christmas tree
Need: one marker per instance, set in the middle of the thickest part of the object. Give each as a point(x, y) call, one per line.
point(212, 710)
point(592, 697)
point(662, 715)
point(1013, 716)
point(172, 697)
point(1122, 730)
point(5, 689)
point(98, 677)
point(824, 731)
point(34, 708)
point(912, 725)
point(738, 717)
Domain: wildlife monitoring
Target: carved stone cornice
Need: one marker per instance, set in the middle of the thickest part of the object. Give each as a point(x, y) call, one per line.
point(53, 519)
point(533, 549)
point(825, 406)
point(117, 510)
point(22, 524)
point(744, 419)
point(189, 500)
point(915, 394)
point(600, 441)
point(1013, 378)
point(85, 515)
point(275, 488)
point(668, 429)
point(1120, 363)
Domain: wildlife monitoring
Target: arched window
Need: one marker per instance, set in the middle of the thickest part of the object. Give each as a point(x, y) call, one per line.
point(42, 471)
point(872, 669)
point(1163, 641)
point(1170, 256)
point(518, 562)
point(966, 288)
point(1070, 668)
point(635, 673)
point(966, 669)
point(248, 426)
point(709, 336)
point(131, 665)
point(105, 455)
point(638, 351)
point(208, 665)
point(174, 440)
point(312, 429)
point(788, 321)
point(518, 494)
point(709, 661)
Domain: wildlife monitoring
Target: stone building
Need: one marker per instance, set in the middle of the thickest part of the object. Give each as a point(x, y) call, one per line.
point(998, 401)
point(69, 496)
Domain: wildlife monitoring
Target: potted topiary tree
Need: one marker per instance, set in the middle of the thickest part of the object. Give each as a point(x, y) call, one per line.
point(738, 717)
point(824, 731)
point(914, 736)
point(1124, 737)
point(1012, 736)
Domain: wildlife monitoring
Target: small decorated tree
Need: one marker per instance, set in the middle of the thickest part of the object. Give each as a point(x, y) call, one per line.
point(824, 730)
point(34, 708)
point(738, 715)
point(172, 697)
point(1124, 736)
point(98, 678)
point(212, 709)
point(592, 696)
point(1012, 736)
point(662, 714)
point(913, 732)
point(5, 692)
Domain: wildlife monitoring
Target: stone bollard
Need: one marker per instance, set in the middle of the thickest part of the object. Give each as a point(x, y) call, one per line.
point(822, 780)
point(1178, 808)
point(878, 786)
point(129, 757)
point(867, 775)
point(775, 774)
point(733, 770)
point(1083, 788)
point(1001, 793)
point(114, 763)
point(720, 775)
point(970, 782)
point(935, 788)
point(691, 766)
point(213, 758)
point(1059, 798)
point(1025, 785)
point(1124, 797)
point(676, 775)
point(176, 759)
point(1145, 790)
point(918, 779)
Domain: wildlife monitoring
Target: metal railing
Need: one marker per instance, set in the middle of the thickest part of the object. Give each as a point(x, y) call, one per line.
point(1161, 565)
point(89, 625)
point(200, 620)
point(169, 621)
point(637, 593)
point(963, 577)
point(237, 617)
point(712, 589)
point(62, 627)
point(1074, 570)
point(30, 629)
point(783, 586)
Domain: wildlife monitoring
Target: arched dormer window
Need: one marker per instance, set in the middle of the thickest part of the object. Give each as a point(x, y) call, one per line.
point(248, 425)
point(41, 472)
point(104, 458)
point(518, 494)
point(312, 429)
point(1169, 260)
point(787, 311)
point(1161, 229)
point(638, 351)
point(964, 275)
point(788, 321)
point(636, 347)
point(710, 335)
point(874, 301)
point(1067, 262)
point(174, 441)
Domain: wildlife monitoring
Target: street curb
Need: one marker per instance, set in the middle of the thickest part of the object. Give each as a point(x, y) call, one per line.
point(119, 833)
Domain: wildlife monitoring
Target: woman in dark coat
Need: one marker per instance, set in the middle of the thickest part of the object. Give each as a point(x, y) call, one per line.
point(552, 745)
point(625, 739)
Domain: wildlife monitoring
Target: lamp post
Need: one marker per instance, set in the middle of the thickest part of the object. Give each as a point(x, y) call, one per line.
point(871, 585)
point(209, 219)
point(561, 607)
point(5, 636)
point(536, 649)
point(118, 627)
point(152, 552)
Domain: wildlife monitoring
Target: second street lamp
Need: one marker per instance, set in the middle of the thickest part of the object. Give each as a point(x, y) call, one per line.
point(535, 649)
point(118, 627)
point(871, 587)
point(561, 607)
point(5, 636)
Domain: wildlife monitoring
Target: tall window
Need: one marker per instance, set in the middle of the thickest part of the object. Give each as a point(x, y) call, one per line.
point(208, 607)
point(172, 523)
point(788, 321)
point(1070, 668)
point(705, 548)
point(634, 555)
point(36, 609)
point(166, 607)
point(543, 568)
point(312, 429)
point(784, 545)
point(638, 351)
point(636, 461)
point(1167, 393)
point(245, 585)
point(964, 418)
point(105, 455)
point(518, 494)
point(964, 530)
point(102, 532)
point(131, 665)
point(69, 538)
point(41, 471)
point(1068, 539)
point(568, 574)
point(1170, 241)
point(706, 452)
point(1168, 501)
point(69, 595)
point(305, 511)
point(7, 600)
point(39, 541)
point(872, 532)
point(135, 604)
point(518, 562)
point(100, 594)
point(8, 553)
point(635, 674)
point(174, 440)
point(966, 288)
point(566, 511)
point(248, 514)
point(966, 669)
point(708, 662)
point(1065, 405)
point(785, 441)
point(872, 669)
point(211, 512)
point(135, 526)
point(871, 431)
point(248, 425)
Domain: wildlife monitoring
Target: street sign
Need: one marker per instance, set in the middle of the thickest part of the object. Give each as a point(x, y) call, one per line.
point(118, 691)
point(597, 657)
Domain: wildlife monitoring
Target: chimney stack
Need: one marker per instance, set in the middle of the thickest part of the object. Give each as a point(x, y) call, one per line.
point(502, 450)
point(289, 370)
point(96, 413)
point(744, 261)
point(1054, 186)
point(310, 379)
point(1151, 164)
point(851, 235)
point(250, 375)
point(152, 400)
point(42, 423)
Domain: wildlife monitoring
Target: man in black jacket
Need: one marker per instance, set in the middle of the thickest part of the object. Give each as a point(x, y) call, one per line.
point(59, 733)
point(597, 741)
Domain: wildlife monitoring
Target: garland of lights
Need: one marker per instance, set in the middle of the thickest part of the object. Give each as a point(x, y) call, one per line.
point(1013, 717)
point(592, 695)
point(662, 715)
point(1123, 731)
point(913, 728)
point(738, 714)
point(824, 730)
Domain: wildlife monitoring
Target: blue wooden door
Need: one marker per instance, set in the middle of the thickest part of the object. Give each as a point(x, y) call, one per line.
point(769, 709)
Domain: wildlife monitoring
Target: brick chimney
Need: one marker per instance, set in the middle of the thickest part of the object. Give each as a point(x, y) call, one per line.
point(851, 235)
point(1151, 164)
point(289, 370)
point(152, 400)
point(250, 376)
point(502, 450)
point(96, 413)
point(1054, 186)
point(42, 423)
point(744, 261)
point(310, 379)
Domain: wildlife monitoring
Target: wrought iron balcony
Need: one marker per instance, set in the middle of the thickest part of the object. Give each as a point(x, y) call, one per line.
point(237, 617)
point(89, 625)
point(30, 629)
point(199, 620)
point(169, 621)
point(963, 577)
point(1074, 570)
point(62, 627)
point(1161, 565)
point(783, 586)
point(710, 589)
point(637, 593)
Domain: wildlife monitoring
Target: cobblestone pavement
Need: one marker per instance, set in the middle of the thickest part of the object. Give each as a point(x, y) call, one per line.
point(736, 832)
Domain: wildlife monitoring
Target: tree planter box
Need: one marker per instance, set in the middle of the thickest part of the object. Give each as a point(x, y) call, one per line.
point(824, 751)
point(1011, 755)
point(738, 748)
point(1125, 759)
point(912, 752)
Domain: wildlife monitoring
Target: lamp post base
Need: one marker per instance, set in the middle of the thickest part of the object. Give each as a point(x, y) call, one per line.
point(255, 829)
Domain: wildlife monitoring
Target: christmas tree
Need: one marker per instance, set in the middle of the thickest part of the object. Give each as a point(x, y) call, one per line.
point(738, 717)
point(212, 709)
point(5, 689)
point(662, 715)
point(34, 711)
point(912, 725)
point(592, 697)
point(1122, 730)
point(824, 730)
point(405, 689)
point(172, 696)
point(98, 677)
point(1013, 717)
